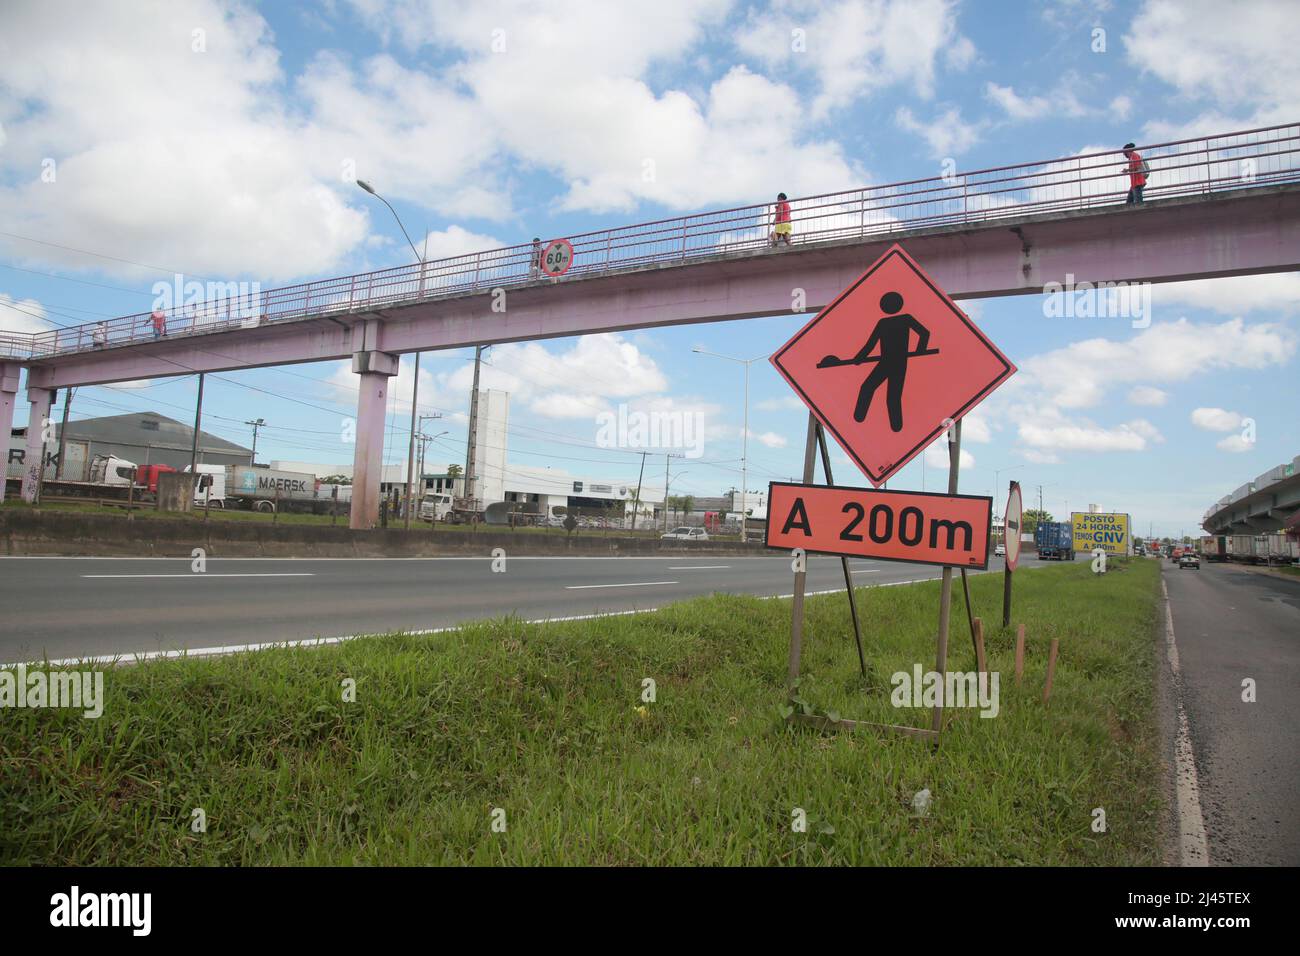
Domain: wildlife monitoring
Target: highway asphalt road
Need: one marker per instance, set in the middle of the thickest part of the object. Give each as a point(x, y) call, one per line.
point(1230, 624)
point(80, 607)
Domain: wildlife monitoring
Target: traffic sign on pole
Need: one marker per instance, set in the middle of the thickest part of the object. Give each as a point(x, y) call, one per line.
point(556, 258)
point(1012, 519)
point(950, 530)
point(890, 365)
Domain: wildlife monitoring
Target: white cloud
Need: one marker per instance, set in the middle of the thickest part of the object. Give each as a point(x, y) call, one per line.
point(1147, 395)
point(975, 427)
point(1016, 106)
point(612, 138)
point(1238, 58)
point(457, 241)
point(1037, 457)
point(936, 456)
point(1232, 295)
point(1069, 436)
point(1235, 444)
point(1216, 419)
point(768, 439)
point(1084, 373)
point(947, 135)
point(782, 404)
point(229, 191)
point(22, 315)
point(855, 48)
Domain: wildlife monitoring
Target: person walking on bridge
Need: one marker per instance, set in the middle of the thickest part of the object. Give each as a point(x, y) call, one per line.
point(782, 227)
point(1138, 170)
point(159, 319)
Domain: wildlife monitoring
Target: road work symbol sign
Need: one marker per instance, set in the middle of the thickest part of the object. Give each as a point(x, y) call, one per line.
point(890, 364)
point(1109, 532)
point(894, 525)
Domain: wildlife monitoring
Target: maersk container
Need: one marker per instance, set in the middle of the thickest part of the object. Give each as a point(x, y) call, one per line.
point(261, 488)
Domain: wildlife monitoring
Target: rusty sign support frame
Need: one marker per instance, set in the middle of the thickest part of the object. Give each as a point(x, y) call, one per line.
point(815, 441)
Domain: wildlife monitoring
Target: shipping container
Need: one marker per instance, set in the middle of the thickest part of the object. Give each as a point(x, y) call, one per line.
point(1055, 541)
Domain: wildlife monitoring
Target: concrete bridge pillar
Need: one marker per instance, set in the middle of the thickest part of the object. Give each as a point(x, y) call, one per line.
point(8, 400)
point(38, 419)
point(374, 369)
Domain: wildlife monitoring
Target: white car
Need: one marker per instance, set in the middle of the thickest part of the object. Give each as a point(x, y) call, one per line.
point(686, 534)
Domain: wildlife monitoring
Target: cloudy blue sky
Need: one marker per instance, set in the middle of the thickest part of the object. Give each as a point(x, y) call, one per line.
point(221, 140)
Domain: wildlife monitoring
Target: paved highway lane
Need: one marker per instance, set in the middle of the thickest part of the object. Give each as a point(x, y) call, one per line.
point(1231, 623)
point(72, 607)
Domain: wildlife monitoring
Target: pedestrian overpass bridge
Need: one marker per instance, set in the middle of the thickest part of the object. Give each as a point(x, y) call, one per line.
point(1216, 206)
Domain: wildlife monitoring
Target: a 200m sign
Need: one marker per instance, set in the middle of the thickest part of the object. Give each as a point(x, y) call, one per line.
point(950, 530)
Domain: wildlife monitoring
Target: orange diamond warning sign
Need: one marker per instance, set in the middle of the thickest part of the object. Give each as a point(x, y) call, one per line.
point(890, 364)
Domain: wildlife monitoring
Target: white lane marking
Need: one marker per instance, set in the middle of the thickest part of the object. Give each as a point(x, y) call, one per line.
point(697, 567)
point(1193, 848)
point(205, 574)
point(638, 584)
point(868, 571)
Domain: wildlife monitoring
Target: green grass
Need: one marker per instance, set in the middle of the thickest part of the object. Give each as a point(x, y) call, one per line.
point(541, 721)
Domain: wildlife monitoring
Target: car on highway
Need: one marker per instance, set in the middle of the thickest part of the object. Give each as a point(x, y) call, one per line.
point(1189, 559)
point(686, 534)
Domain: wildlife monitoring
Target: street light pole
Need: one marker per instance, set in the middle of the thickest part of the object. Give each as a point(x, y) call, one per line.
point(744, 452)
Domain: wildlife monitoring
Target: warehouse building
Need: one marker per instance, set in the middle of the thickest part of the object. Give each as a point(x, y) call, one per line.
point(142, 438)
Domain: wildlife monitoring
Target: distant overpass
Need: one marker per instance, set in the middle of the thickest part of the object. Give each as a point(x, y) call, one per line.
point(1260, 506)
point(1216, 206)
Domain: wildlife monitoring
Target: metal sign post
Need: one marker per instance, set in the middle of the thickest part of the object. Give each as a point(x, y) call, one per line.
point(1012, 519)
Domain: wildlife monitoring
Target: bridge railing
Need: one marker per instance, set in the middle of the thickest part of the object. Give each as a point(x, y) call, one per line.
point(15, 345)
point(1188, 167)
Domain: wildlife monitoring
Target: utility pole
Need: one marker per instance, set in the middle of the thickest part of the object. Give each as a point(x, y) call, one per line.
point(472, 444)
point(636, 503)
point(198, 420)
point(256, 425)
point(667, 457)
point(424, 441)
point(63, 433)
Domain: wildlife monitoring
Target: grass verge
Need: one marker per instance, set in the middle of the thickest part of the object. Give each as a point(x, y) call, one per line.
point(542, 721)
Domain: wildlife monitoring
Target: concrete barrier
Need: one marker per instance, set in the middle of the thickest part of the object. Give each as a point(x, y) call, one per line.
point(38, 532)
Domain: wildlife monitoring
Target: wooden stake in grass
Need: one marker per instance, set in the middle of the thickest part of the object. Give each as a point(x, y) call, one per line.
point(1051, 669)
point(979, 647)
point(1020, 652)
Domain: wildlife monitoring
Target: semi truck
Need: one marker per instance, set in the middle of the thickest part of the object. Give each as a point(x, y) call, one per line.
point(257, 488)
point(1055, 541)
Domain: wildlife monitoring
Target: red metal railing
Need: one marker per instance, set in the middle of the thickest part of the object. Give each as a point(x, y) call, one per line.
point(1189, 167)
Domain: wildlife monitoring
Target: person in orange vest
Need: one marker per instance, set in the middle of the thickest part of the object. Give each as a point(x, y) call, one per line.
point(783, 228)
point(159, 318)
point(1137, 175)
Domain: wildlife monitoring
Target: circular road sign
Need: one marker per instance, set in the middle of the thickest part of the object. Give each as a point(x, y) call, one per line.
point(1012, 519)
point(557, 257)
